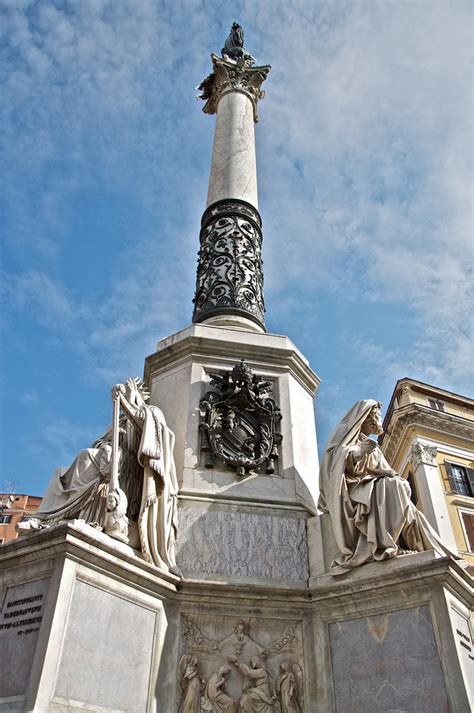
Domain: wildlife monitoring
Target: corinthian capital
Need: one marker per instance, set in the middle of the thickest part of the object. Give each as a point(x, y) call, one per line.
point(232, 76)
point(422, 453)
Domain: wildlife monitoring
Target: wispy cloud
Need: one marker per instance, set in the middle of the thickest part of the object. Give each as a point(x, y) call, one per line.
point(365, 179)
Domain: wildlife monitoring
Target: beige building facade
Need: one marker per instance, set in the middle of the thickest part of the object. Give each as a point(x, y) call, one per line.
point(429, 439)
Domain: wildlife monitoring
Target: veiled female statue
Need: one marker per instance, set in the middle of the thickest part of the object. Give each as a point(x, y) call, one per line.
point(372, 515)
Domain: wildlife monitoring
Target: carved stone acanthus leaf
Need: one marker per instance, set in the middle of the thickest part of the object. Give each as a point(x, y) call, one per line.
point(229, 276)
point(422, 453)
point(231, 76)
point(240, 421)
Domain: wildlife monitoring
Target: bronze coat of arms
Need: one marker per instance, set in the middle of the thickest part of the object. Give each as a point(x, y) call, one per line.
point(239, 421)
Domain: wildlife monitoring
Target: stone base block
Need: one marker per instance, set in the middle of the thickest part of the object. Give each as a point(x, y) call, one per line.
point(88, 626)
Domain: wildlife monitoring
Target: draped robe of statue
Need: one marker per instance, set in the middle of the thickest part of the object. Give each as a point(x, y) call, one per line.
point(74, 492)
point(221, 702)
point(370, 505)
point(191, 686)
point(157, 522)
point(287, 691)
point(256, 697)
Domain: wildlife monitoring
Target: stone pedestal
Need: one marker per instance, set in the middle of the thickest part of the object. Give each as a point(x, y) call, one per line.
point(250, 526)
point(113, 634)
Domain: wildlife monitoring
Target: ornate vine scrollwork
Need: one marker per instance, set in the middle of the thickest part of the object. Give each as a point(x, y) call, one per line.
point(229, 275)
point(240, 421)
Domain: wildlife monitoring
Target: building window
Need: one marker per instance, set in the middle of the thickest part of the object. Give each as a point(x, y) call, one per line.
point(461, 478)
point(468, 522)
point(437, 404)
point(5, 519)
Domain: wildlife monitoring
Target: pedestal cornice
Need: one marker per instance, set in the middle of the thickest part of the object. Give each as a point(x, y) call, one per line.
point(212, 342)
point(231, 76)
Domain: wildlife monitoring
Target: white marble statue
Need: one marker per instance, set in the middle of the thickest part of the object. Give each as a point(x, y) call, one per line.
point(256, 696)
point(116, 520)
point(81, 491)
point(190, 685)
point(157, 521)
point(372, 515)
point(216, 699)
point(70, 492)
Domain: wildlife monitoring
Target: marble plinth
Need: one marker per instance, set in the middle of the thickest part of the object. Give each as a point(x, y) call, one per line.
point(250, 525)
point(113, 634)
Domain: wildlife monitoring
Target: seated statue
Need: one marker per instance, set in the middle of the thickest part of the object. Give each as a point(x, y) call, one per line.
point(372, 514)
point(71, 490)
point(134, 486)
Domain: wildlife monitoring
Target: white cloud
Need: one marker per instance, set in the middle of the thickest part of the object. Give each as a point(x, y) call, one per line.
point(365, 163)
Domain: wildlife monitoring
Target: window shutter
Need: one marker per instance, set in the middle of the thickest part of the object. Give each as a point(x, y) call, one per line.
point(470, 476)
point(449, 471)
point(468, 521)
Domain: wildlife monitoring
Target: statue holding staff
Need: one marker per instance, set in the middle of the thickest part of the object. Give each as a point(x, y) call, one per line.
point(157, 520)
point(100, 486)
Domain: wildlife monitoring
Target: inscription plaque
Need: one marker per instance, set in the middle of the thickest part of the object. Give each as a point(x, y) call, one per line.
point(20, 621)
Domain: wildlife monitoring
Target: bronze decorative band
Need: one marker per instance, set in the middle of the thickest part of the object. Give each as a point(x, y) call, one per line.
point(229, 275)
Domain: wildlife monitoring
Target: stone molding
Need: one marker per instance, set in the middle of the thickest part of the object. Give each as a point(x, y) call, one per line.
point(229, 76)
point(423, 453)
point(203, 342)
point(425, 417)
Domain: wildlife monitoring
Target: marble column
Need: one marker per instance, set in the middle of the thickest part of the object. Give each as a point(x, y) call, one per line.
point(229, 284)
point(430, 489)
point(233, 166)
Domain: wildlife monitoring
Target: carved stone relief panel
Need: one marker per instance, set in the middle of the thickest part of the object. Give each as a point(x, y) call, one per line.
point(250, 664)
point(243, 544)
point(240, 422)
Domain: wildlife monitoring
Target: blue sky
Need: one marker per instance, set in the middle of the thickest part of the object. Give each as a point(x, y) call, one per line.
point(364, 155)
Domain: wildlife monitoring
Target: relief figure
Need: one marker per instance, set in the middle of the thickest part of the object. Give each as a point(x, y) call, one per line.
point(216, 697)
point(289, 688)
point(190, 685)
point(256, 696)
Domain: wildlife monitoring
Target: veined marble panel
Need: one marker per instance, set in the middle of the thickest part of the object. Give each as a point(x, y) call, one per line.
point(242, 544)
point(387, 663)
point(107, 652)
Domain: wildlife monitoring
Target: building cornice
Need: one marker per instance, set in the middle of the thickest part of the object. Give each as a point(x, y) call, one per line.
point(424, 417)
